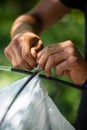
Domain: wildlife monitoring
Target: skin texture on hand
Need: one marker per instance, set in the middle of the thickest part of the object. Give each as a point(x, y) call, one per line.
point(22, 50)
point(25, 47)
point(25, 44)
point(66, 59)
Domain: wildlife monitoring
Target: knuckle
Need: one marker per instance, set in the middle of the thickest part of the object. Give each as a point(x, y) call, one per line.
point(14, 42)
point(20, 39)
point(46, 51)
point(70, 50)
point(72, 60)
point(69, 43)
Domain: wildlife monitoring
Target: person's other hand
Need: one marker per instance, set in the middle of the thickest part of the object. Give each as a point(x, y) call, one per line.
point(66, 59)
point(22, 50)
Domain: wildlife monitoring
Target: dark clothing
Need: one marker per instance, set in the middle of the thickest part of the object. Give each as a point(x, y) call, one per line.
point(80, 4)
point(81, 121)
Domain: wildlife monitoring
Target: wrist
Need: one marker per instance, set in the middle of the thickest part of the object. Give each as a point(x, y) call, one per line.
point(23, 27)
point(25, 23)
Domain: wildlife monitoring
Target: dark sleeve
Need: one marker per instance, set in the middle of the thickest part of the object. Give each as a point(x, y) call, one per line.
point(85, 85)
point(79, 4)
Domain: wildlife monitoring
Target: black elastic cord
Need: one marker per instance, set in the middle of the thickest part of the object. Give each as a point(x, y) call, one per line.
point(52, 79)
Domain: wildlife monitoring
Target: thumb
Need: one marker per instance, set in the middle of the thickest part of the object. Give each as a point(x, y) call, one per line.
point(33, 52)
point(36, 49)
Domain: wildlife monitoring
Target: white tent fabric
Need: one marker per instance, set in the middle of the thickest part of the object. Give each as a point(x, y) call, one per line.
point(32, 110)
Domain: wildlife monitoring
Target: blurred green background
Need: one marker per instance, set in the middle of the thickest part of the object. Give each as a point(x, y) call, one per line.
point(70, 27)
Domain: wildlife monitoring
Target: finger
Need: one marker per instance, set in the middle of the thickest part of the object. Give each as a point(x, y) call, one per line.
point(23, 56)
point(17, 59)
point(48, 61)
point(10, 54)
point(22, 64)
point(39, 46)
point(69, 65)
point(26, 55)
point(33, 53)
point(62, 69)
point(10, 51)
point(52, 61)
point(46, 52)
point(36, 48)
point(55, 48)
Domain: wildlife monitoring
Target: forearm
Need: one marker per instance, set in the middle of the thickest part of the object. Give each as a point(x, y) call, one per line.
point(26, 23)
point(43, 15)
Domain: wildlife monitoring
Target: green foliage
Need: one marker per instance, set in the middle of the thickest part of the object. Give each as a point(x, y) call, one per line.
point(70, 27)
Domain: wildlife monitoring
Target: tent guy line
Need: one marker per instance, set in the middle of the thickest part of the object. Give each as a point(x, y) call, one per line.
point(6, 68)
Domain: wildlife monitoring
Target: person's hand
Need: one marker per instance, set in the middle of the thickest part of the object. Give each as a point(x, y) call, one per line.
point(22, 50)
point(66, 59)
